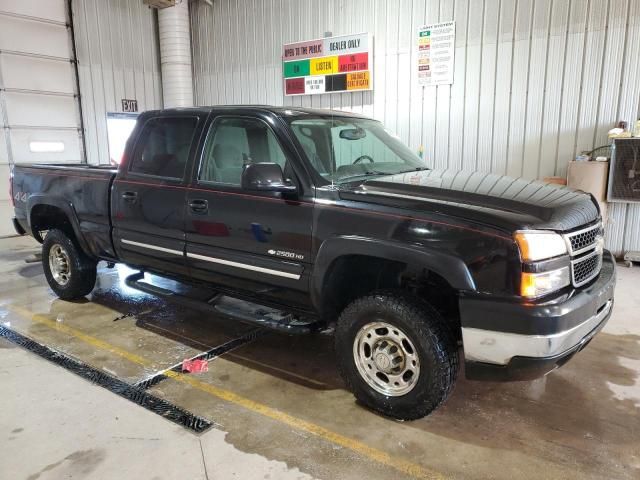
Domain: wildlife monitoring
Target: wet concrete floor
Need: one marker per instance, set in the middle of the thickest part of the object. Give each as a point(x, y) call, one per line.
point(281, 397)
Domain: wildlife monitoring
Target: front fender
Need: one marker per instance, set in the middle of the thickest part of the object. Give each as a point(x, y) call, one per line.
point(449, 267)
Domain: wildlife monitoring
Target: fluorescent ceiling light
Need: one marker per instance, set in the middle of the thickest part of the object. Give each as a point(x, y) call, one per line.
point(46, 147)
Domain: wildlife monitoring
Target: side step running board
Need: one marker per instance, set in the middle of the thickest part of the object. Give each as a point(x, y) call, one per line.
point(231, 307)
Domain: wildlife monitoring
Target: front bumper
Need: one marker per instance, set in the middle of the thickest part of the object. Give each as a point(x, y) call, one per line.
point(516, 341)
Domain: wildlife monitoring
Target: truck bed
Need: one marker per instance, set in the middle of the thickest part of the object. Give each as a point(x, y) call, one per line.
point(80, 190)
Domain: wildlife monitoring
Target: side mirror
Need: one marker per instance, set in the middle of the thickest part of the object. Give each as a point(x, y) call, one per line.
point(265, 177)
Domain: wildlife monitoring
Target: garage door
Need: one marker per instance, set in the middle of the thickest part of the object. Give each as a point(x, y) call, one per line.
point(39, 105)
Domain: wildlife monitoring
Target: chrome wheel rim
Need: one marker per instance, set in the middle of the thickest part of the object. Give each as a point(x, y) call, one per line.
point(386, 359)
point(59, 264)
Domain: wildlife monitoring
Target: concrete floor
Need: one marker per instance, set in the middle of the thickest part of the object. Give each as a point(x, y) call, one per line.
point(280, 408)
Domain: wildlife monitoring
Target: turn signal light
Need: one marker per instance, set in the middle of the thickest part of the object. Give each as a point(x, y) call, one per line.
point(537, 284)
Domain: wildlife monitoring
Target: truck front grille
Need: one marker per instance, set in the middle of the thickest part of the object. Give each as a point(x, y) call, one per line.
point(586, 268)
point(584, 239)
point(585, 247)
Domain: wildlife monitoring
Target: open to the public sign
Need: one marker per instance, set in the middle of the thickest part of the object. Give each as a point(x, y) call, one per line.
point(328, 65)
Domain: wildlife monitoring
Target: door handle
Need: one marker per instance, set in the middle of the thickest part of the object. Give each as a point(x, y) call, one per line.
point(199, 206)
point(129, 197)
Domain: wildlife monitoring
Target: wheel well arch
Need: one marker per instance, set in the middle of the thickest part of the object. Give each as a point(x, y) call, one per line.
point(47, 217)
point(50, 215)
point(354, 275)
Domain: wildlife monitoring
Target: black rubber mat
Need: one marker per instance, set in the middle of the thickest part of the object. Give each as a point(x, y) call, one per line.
point(132, 393)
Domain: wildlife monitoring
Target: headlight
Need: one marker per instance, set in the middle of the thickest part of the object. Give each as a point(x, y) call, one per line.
point(538, 284)
point(540, 245)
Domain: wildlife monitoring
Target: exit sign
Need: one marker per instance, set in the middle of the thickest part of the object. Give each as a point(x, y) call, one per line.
point(129, 105)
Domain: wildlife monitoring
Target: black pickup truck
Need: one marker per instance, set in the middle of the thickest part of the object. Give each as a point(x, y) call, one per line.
point(325, 219)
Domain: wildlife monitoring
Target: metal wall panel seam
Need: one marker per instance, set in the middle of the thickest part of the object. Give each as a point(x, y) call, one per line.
point(442, 95)
point(89, 72)
point(447, 130)
point(582, 70)
point(472, 92)
point(624, 56)
point(76, 83)
point(574, 66)
point(102, 124)
point(602, 72)
point(612, 71)
point(134, 60)
point(145, 93)
point(504, 130)
point(486, 99)
point(4, 117)
point(495, 86)
point(562, 80)
point(480, 73)
point(595, 39)
point(544, 93)
point(510, 103)
point(526, 83)
point(515, 116)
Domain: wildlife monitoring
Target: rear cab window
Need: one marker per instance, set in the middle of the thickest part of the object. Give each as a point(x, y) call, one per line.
point(163, 146)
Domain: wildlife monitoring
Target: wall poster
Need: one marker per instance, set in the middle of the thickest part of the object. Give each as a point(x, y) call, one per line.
point(436, 49)
point(328, 65)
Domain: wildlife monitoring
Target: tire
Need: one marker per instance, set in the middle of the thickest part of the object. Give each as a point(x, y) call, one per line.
point(76, 277)
point(431, 344)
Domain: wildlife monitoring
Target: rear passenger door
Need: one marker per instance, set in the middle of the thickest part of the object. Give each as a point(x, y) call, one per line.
point(148, 197)
point(245, 240)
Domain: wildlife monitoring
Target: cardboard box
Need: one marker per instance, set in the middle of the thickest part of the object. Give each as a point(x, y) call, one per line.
point(589, 177)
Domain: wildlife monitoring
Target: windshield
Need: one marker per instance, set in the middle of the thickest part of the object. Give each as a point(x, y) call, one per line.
point(345, 149)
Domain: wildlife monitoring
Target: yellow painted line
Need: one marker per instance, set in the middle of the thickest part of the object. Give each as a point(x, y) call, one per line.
point(404, 466)
point(379, 456)
point(93, 341)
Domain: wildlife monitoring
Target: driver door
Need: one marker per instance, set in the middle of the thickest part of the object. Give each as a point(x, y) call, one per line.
point(247, 241)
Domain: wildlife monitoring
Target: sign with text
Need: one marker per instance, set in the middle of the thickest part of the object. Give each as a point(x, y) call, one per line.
point(328, 65)
point(129, 105)
point(436, 49)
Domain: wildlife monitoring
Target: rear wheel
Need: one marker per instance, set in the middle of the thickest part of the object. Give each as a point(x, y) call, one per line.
point(69, 272)
point(397, 354)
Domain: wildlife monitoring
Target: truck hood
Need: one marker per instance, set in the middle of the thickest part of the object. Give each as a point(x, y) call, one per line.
point(504, 202)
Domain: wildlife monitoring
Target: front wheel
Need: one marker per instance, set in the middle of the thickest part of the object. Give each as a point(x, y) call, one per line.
point(69, 272)
point(396, 354)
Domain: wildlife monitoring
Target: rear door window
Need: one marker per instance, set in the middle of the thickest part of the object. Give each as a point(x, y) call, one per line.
point(163, 147)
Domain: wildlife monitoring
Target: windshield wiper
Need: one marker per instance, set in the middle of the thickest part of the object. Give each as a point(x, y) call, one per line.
point(365, 174)
point(414, 169)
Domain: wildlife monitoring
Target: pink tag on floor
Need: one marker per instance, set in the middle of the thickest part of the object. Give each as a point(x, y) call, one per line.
point(195, 366)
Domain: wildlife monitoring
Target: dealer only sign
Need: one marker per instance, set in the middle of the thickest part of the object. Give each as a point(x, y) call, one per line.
point(328, 65)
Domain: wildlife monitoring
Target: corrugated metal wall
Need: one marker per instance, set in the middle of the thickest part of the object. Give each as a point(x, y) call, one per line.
point(536, 81)
point(118, 57)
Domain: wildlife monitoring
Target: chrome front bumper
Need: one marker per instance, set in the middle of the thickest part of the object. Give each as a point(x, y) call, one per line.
point(511, 340)
point(499, 347)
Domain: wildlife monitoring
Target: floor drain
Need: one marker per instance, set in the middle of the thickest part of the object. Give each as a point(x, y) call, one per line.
point(133, 393)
